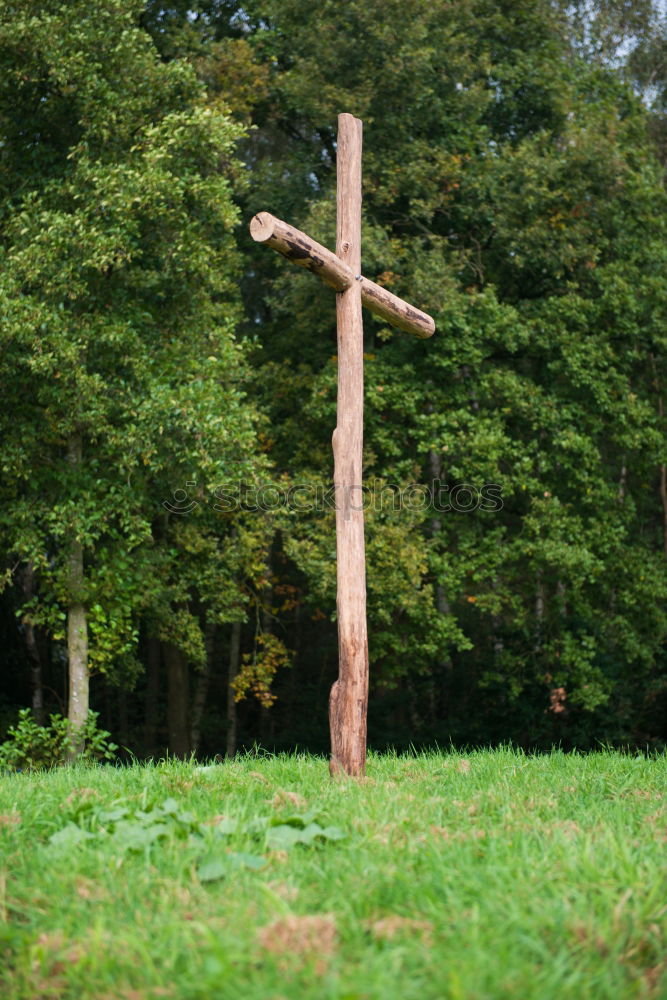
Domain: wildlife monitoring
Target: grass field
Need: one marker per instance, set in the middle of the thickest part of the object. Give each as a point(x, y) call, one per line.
point(463, 876)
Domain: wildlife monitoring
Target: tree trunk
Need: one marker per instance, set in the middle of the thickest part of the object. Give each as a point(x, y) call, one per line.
point(123, 717)
point(203, 681)
point(662, 468)
point(177, 704)
point(77, 631)
point(234, 661)
point(108, 717)
point(288, 702)
point(663, 488)
point(663, 497)
point(152, 695)
point(539, 614)
point(442, 604)
point(622, 480)
point(36, 686)
point(34, 658)
point(348, 702)
point(266, 717)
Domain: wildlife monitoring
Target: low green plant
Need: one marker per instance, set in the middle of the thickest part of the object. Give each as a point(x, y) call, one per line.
point(133, 829)
point(31, 746)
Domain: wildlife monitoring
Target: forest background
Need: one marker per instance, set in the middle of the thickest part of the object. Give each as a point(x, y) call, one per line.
point(169, 388)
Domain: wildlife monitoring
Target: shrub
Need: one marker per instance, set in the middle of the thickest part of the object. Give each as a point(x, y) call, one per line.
point(31, 747)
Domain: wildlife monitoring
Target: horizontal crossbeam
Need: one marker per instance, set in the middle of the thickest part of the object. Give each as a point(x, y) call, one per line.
point(298, 247)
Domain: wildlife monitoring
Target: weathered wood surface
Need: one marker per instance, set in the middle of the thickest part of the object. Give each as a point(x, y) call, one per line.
point(348, 702)
point(298, 247)
point(338, 274)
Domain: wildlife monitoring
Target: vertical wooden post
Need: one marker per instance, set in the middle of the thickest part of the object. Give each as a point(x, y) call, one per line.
point(348, 701)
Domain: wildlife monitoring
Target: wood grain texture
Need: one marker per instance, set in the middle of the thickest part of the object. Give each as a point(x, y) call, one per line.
point(337, 274)
point(298, 247)
point(348, 702)
point(396, 311)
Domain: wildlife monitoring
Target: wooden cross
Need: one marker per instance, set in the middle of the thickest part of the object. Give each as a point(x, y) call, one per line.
point(348, 702)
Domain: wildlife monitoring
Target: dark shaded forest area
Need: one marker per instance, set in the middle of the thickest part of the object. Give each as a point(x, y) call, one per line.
point(168, 550)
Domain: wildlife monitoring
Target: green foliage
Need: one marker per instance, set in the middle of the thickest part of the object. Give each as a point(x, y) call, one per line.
point(511, 188)
point(214, 868)
point(259, 669)
point(118, 275)
point(126, 828)
point(31, 747)
point(274, 833)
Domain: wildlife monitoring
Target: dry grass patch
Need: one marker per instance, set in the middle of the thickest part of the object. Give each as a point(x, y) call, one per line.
point(443, 833)
point(51, 956)
point(387, 928)
point(88, 889)
point(283, 798)
point(287, 892)
point(78, 795)
point(309, 938)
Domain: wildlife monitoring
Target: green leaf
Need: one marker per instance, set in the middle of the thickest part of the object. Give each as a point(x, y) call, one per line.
point(332, 833)
point(70, 836)
point(281, 838)
point(105, 816)
point(242, 860)
point(226, 826)
point(219, 866)
point(213, 869)
point(284, 836)
point(137, 836)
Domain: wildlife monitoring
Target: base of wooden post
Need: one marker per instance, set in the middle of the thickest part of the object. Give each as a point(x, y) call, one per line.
point(348, 704)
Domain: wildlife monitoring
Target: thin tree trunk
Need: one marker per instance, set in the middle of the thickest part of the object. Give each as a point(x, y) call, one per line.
point(266, 717)
point(234, 661)
point(662, 468)
point(497, 641)
point(177, 703)
point(34, 658)
point(663, 488)
point(288, 703)
point(77, 631)
point(123, 720)
point(203, 681)
point(441, 602)
point(107, 713)
point(36, 686)
point(622, 487)
point(622, 480)
point(539, 614)
point(663, 497)
point(152, 694)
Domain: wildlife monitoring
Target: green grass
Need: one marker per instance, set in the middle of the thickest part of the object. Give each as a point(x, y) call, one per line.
point(486, 875)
